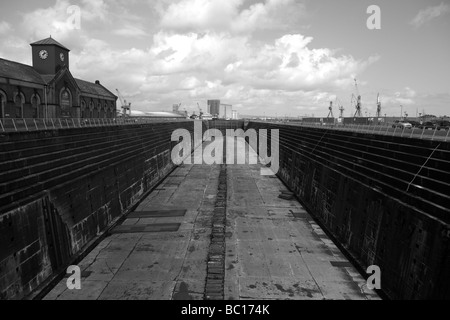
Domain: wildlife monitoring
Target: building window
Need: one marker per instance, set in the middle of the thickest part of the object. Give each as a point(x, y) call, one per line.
point(113, 110)
point(91, 109)
point(19, 101)
point(83, 110)
point(65, 102)
point(35, 102)
point(2, 104)
point(99, 110)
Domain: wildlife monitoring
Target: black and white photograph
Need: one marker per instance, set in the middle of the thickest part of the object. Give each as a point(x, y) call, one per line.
point(236, 158)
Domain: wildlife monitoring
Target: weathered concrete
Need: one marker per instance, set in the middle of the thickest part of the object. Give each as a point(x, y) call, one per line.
point(61, 189)
point(160, 265)
point(270, 253)
point(275, 250)
point(385, 199)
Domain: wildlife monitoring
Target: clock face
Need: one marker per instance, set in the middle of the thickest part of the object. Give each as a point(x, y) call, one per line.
point(61, 56)
point(43, 54)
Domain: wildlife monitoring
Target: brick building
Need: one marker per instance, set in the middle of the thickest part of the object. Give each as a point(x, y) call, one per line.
point(48, 90)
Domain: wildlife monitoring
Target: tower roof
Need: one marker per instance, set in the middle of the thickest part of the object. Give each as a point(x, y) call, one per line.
point(49, 41)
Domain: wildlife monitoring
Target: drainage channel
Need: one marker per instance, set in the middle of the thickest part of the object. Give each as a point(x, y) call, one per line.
point(215, 275)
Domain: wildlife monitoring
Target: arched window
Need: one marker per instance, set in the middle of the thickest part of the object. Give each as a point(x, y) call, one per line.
point(99, 110)
point(2, 104)
point(113, 110)
point(91, 109)
point(83, 110)
point(19, 101)
point(105, 110)
point(35, 102)
point(65, 101)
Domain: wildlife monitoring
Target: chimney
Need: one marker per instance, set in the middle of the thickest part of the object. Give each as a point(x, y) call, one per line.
point(97, 82)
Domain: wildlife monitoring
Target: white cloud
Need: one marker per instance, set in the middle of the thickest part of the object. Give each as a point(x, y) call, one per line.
point(217, 15)
point(290, 65)
point(194, 67)
point(430, 13)
point(94, 10)
point(404, 101)
point(54, 20)
point(202, 49)
point(436, 103)
point(410, 93)
point(130, 31)
point(272, 14)
point(193, 15)
point(16, 49)
point(58, 22)
point(406, 97)
point(5, 27)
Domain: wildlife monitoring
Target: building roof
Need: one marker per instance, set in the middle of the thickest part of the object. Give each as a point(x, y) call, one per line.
point(94, 88)
point(162, 114)
point(154, 114)
point(48, 41)
point(14, 70)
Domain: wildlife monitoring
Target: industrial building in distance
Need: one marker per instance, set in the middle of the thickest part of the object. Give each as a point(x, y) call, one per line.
point(221, 110)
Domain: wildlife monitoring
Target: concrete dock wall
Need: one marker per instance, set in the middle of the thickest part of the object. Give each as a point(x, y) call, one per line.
point(384, 199)
point(60, 189)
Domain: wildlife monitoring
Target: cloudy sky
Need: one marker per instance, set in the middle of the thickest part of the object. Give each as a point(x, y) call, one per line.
point(272, 57)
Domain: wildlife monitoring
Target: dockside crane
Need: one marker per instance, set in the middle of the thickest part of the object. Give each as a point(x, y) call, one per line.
point(330, 113)
point(341, 108)
point(378, 106)
point(200, 114)
point(124, 104)
point(185, 110)
point(356, 100)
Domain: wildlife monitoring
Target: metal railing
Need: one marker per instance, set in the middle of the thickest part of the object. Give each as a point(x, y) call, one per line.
point(383, 129)
point(16, 124)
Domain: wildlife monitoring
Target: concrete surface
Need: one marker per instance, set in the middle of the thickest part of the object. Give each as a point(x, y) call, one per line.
point(274, 250)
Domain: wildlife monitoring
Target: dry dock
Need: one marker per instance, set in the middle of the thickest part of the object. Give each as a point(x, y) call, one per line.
point(273, 249)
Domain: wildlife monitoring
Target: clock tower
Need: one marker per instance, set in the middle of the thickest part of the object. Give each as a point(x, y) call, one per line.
point(49, 56)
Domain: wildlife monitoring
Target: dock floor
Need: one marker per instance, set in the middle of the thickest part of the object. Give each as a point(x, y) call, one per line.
point(274, 249)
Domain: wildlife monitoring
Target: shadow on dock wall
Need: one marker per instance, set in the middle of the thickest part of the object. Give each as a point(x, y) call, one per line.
point(355, 186)
point(62, 189)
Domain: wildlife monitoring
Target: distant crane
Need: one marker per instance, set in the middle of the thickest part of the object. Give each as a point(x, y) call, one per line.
point(176, 107)
point(124, 104)
point(341, 107)
point(356, 100)
point(185, 110)
point(331, 110)
point(200, 114)
point(378, 106)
